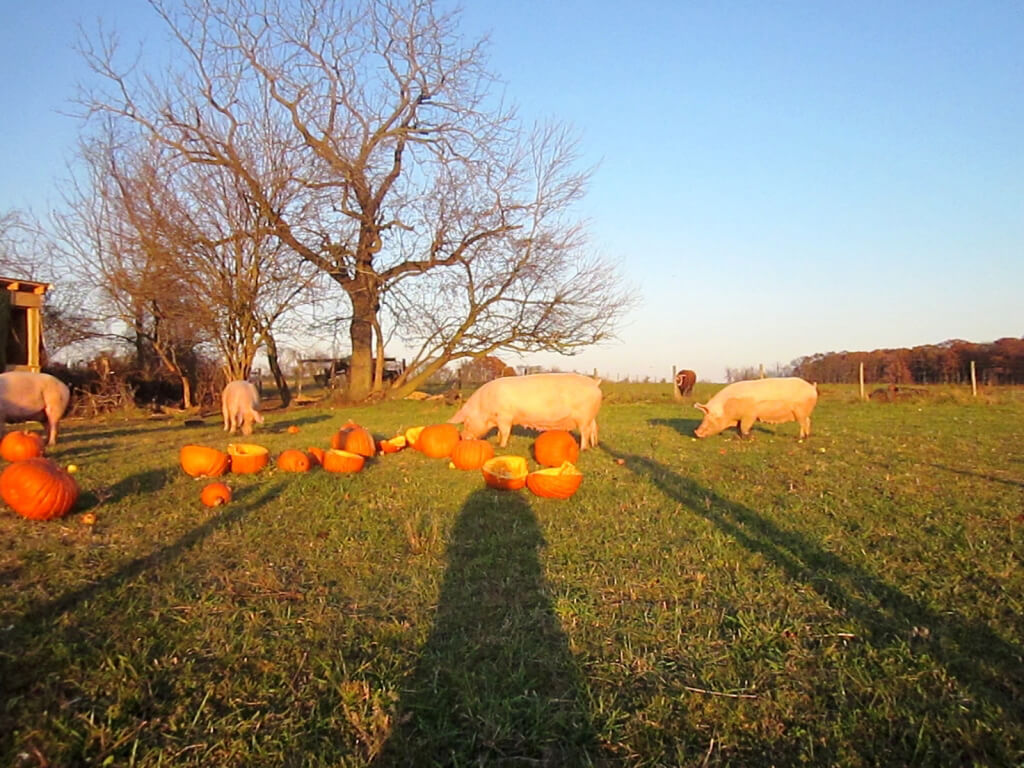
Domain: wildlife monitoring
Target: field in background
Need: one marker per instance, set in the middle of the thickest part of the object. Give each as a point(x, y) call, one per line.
point(852, 599)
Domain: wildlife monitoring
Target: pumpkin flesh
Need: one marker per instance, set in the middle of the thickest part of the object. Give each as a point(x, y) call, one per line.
point(506, 473)
point(337, 460)
point(555, 482)
point(247, 458)
point(200, 461)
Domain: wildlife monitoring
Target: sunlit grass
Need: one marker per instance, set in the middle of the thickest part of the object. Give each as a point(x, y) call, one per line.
point(852, 599)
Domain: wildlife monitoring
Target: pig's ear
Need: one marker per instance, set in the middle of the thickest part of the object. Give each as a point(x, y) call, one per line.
point(701, 407)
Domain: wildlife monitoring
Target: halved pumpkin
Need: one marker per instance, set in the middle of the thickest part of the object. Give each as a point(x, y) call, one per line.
point(200, 461)
point(316, 455)
point(507, 473)
point(393, 444)
point(555, 482)
point(337, 460)
point(247, 458)
point(412, 434)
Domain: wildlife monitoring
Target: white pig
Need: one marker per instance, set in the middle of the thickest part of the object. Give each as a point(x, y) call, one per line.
point(28, 396)
point(772, 401)
point(538, 401)
point(239, 404)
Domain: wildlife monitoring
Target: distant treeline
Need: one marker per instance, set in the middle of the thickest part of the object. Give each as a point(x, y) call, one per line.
point(998, 362)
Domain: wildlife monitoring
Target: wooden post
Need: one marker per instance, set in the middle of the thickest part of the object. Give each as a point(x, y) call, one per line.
point(974, 381)
point(762, 370)
point(862, 395)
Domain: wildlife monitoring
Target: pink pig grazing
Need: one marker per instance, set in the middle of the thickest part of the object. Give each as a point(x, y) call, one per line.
point(772, 401)
point(28, 396)
point(539, 401)
point(239, 404)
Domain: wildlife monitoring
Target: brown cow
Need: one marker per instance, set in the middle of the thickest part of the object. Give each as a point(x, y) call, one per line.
point(685, 380)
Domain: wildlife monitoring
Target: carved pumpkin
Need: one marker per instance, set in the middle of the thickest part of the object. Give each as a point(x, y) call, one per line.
point(412, 434)
point(293, 461)
point(215, 494)
point(316, 456)
point(354, 439)
point(247, 458)
point(392, 445)
point(554, 447)
point(38, 489)
point(471, 454)
point(555, 482)
point(200, 461)
point(17, 446)
point(337, 460)
point(507, 473)
point(438, 440)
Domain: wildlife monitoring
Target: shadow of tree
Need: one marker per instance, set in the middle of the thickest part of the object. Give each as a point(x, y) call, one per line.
point(495, 682)
point(40, 619)
point(985, 664)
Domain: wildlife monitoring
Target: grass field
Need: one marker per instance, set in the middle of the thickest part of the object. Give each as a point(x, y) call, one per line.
point(854, 599)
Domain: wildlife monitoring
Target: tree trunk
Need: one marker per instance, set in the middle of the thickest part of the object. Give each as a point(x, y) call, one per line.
point(186, 391)
point(274, 361)
point(378, 363)
point(363, 296)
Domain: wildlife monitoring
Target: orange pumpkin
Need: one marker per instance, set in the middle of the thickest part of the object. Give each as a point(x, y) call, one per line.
point(38, 488)
point(316, 455)
point(438, 440)
point(337, 460)
point(507, 473)
point(17, 446)
point(412, 434)
point(554, 447)
point(293, 461)
point(200, 461)
point(555, 482)
point(471, 454)
point(293, 430)
point(392, 445)
point(354, 439)
point(215, 494)
point(247, 458)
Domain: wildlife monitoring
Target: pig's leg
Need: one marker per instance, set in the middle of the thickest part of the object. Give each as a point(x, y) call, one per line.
point(805, 427)
point(226, 415)
point(745, 425)
point(504, 429)
point(51, 415)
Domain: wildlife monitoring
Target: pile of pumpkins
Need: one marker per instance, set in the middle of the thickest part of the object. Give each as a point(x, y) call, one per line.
point(556, 450)
point(32, 485)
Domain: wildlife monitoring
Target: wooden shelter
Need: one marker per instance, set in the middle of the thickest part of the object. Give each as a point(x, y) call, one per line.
point(21, 324)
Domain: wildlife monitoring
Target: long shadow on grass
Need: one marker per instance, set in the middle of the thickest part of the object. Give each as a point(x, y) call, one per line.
point(991, 668)
point(39, 619)
point(495, 683)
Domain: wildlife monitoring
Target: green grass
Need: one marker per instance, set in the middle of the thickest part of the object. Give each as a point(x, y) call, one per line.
point(853, 599)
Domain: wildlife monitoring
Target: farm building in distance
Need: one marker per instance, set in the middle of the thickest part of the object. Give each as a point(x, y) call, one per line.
point(21, 324)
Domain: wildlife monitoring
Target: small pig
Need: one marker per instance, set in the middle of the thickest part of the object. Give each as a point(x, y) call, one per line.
point(28, 396)
point(772, 401)
point(539, 401)
point(239, 404)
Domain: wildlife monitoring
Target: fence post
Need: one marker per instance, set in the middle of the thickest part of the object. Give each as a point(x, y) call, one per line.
point(862, 396)
point(762, 370)
point(974, 381)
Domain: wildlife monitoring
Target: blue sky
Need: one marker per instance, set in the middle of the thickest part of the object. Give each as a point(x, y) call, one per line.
point(775, 179)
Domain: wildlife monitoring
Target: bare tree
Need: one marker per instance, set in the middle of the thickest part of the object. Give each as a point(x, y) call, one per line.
point(373, 143)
